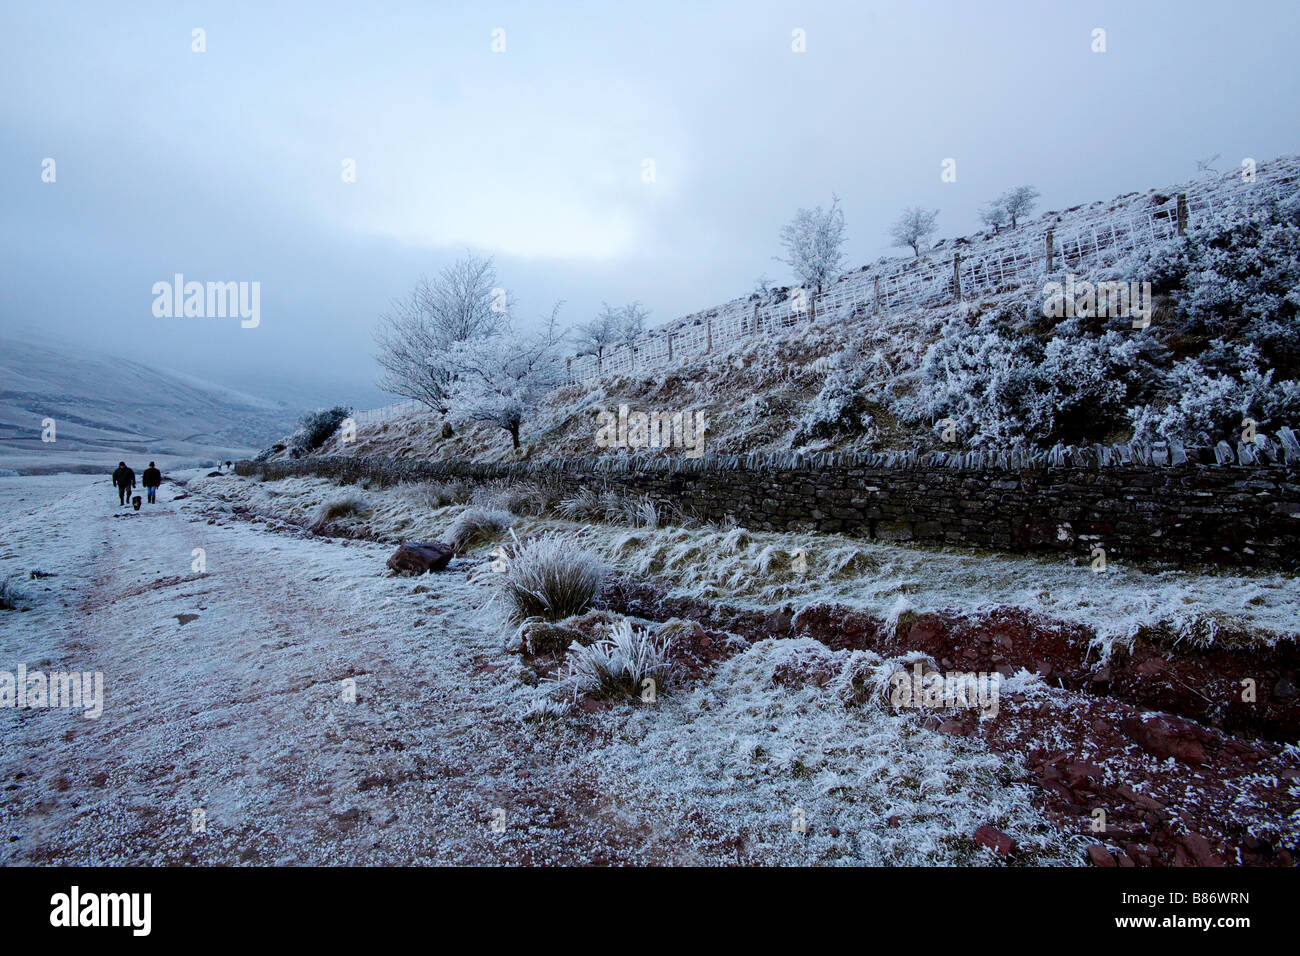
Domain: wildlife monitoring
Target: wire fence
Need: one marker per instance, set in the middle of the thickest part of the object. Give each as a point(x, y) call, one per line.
point(1095, 236)
point(376, 416)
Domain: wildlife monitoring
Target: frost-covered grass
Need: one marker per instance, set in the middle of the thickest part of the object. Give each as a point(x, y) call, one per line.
point(516, 498)
point(760, 570)
point(344, 506)
point(551, 577)
point(437, 494)
point(239, 712)
point(742, 752)
point(631, 662)
point(475, 526)
point(594, 503)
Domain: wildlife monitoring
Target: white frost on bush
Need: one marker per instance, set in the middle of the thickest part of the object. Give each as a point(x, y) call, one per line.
point(621, 664)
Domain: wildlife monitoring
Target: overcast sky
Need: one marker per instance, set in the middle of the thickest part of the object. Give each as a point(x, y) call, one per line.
point(227, 165)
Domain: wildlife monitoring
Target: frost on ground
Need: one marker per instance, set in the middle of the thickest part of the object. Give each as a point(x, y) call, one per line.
point(742, 759)
point(226, 692)
point(762, 569)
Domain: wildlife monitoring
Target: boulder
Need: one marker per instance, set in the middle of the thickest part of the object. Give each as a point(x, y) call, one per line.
point(1098, 855)
point(1163, 736)
point(995, 840)
point(411, 558)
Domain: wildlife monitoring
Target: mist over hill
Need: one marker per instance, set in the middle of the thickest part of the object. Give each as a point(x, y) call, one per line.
point(104, 407)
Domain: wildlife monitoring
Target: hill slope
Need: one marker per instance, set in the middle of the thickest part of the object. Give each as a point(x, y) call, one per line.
point(933, 366)
point(105, 407)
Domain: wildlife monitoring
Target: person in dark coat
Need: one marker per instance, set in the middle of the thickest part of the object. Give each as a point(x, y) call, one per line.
point(123, 481)
point(151, 479)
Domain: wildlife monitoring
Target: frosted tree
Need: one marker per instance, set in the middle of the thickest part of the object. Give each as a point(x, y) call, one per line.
point(1018, 203)
point(501, 378)
point(605, 330)
point(614, 326)
point(417, 334)
point(913, 227)
point(813, 241)
point(995, 216)
point(632, 325)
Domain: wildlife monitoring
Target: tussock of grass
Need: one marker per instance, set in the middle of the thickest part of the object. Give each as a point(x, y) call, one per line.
point(622, 664)
point(517, 498)
point(593, 503)
point(475, 526)
point(437, 494)
point(550, 578)
point(344, 507)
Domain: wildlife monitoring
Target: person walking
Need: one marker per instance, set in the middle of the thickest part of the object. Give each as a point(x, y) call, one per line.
point(123, 481)
point(151, 479)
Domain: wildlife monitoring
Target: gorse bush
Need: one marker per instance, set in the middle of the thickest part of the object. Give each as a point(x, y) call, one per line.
point(1236, 277)
point(551, 578)
point(1004, 386)
point(842, 408)
point(475, 526)
point(316, 428)
point(1207, 398)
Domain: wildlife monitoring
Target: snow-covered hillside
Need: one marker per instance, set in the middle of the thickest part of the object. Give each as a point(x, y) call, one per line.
point(994, 369)
point(105, 408)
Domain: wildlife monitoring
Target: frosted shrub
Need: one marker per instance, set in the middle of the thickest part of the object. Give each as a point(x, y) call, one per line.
point(1005, 387)
point(1205, 399)
point(315, 428)
point(475, 526)
point(841, 408)
point(335, 508)
point(548, 577)
point(621, 664)
point(9, 595)
point(1237, 276)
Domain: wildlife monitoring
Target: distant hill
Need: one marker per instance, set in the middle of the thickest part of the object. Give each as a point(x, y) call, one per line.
point(106, 407)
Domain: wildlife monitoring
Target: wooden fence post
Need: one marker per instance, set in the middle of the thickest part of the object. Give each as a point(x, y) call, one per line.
point(568, 369)
point(877, 307)
point(670, 346)
point(708, 330)
point(1182, 214)
point(756, 320)
point(1049, 250)
point(956, 275)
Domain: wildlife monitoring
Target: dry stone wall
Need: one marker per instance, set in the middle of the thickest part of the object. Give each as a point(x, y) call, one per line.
point(1188, 507)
